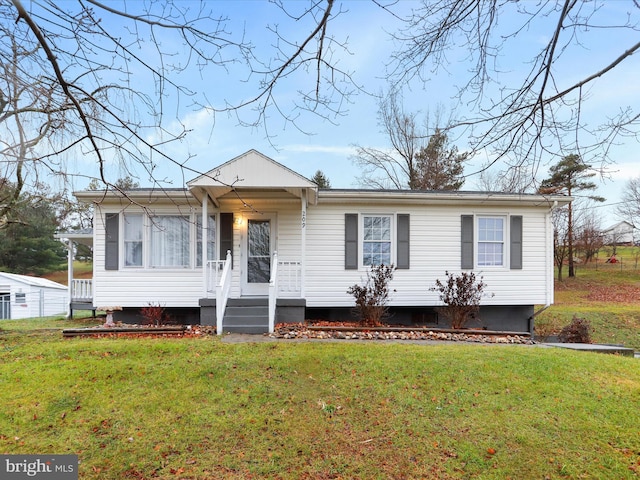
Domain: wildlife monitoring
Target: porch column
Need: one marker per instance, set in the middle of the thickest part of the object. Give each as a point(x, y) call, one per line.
point(303, 241)
point(204, 236)
point(69, 276)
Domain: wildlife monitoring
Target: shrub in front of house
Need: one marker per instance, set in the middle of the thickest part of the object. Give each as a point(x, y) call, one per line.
point(154, 315)
point(372, 297)
point(461, 295)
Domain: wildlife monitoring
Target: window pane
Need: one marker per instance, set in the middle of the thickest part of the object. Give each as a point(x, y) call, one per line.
point(376, 240)
point(211, 239)
point(490, 229)
point(258, 269)
point(490, 254)
point(170, 241)
point(133, 254)
point(133, 225)
point(258, 235)
point(259, 255)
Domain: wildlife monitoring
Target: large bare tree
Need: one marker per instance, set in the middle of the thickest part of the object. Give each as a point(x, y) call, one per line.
point(396, 166)
point(629, 208)
point(530, 72)
point(109, 82)
point(419, 156)
point(32, 115)
point(118, 73)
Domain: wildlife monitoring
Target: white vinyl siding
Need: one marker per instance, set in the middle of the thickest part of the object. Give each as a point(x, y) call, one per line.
point(435, 249)
point(183, 287)
point(139, 287)
point(435, 232)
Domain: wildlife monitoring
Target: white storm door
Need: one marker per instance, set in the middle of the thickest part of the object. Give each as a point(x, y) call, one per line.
point(257, 251)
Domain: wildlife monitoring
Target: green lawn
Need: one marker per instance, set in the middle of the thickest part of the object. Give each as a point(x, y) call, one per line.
point(198, 408)
point(80, 270)
point(608, 295)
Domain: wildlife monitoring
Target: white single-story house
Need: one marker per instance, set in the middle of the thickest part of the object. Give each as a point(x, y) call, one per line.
point(22, 296)
point(622, 233)
point(252, 243)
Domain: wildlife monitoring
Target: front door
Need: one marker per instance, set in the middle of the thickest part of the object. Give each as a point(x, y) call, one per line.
point(257, 249)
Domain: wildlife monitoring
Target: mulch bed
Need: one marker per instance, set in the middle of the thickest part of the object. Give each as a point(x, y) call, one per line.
point(132, 331)
point(312, 330)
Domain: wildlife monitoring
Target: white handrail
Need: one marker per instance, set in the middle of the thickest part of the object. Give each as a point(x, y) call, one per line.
point(81, 289)
point(214, 268)
point(273, 291)
point(223, 287)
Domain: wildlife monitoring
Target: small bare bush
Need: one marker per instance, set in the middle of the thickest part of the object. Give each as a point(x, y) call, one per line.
point(372, 297)
point(154, 315)
point(578, 331)
point(461, 294)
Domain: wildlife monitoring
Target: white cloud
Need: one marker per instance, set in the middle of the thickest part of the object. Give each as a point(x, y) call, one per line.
point(624, 171)
point(344, 151)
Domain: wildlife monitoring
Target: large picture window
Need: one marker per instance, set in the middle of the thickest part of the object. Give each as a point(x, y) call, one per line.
point(376, 240)
point(133, 226)
point(491, 241)
point(169, 241)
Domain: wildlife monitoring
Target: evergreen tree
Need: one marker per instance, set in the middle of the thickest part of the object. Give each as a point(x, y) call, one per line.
point(321, 180)
point(570, 176)
point(27, 245)
point(439, 165)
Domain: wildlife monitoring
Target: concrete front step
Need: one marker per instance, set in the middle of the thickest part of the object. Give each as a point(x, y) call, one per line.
point(246, 315)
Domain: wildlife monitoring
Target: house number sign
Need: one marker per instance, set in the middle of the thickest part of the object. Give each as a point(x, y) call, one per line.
point(304, 219)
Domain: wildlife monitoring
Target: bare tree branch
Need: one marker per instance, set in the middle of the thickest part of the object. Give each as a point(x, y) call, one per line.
point(537, 115)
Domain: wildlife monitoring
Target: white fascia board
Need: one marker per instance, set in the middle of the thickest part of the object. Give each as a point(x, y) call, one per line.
point(442, 198)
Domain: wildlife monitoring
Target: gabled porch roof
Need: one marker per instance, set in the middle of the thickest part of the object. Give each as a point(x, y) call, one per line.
point(252, 171)
point(84, 236)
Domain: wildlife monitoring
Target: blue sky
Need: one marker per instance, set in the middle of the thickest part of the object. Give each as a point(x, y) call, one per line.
point(217, 138)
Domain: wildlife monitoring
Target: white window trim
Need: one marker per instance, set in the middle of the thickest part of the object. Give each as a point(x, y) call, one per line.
point(505, 241)
point(361, 241)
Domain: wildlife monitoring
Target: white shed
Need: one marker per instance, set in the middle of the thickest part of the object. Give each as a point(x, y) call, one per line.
point(22, 296)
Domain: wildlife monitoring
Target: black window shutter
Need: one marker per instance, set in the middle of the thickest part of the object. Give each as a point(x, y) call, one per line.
point(226, 235)
point(467, 242)
point(403, 241)
point(111, 230)
point(516, 242)
point(351, 241)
